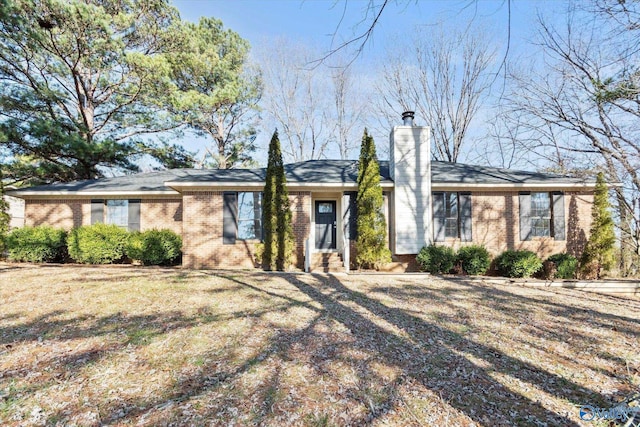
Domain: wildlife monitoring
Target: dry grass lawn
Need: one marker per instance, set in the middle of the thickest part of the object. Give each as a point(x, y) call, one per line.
point(138, 346)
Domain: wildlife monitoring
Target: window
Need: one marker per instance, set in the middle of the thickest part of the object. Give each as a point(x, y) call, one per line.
point(123, 213)
point(241, 216)
point(117, 213)
point(249, 216)
point(452, 216)
point(325, 208)
point(540, 215)
point(452, 221)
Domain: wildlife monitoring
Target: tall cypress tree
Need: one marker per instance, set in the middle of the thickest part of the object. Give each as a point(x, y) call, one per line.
point(599, 255)
point(371, 246)
point(276, 212)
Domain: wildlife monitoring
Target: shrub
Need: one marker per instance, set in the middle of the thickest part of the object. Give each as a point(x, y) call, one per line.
point(565, 265)
point(154, 247)
point(518, 263)
point(97, 244)
point(474, 259)
point(37, 244)
point(4, 220)
point(436, 259)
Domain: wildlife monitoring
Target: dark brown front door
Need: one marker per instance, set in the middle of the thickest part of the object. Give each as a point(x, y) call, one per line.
point(325, 224)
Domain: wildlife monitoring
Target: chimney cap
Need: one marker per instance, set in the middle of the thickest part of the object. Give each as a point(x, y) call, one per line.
point(407, 117)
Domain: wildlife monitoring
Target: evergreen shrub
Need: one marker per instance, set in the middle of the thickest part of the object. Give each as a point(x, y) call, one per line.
point(98, 244)
point(371, 239)
point(518, 263)
point(154, 247)
point(37, 244)
point(599, 252)
point(565, 265)
point(474, 259)
point(436, 259)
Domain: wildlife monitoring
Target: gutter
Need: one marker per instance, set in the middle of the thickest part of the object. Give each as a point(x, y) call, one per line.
point(177, 187)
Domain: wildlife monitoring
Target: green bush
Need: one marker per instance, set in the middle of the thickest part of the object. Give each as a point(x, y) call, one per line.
point(154, 247)
point(98, 244)
point(518, 263)
point(474, 259)
point(565, 265)
point(436, 259)
point(37, 244)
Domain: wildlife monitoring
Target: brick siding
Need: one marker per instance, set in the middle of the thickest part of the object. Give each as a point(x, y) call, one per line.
point(203, 245)
point(301, 218)
point(198, 218)
point(59, 213)
point(496, 224)
point(71, 213)
point(161, 213)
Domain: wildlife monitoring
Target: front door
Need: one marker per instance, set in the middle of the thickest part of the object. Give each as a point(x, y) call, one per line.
point(325, 224)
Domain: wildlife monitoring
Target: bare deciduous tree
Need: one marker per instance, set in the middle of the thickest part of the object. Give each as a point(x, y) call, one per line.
point(445, 79)
point(349, 115)
point(586, 103)
point(319, 110)
point(295, 99)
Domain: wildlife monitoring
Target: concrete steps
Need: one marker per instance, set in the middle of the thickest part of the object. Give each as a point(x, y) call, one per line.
point(326, 262)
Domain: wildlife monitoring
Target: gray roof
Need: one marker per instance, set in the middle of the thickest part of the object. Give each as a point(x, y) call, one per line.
point(457, 173)
point(315, 171)
point(311, 171)
point(149, 181)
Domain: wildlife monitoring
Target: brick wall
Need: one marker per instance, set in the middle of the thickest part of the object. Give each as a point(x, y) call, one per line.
point(496, 224)
point(301, 219)
point(161, 213)
point(71, 213)
point(60, 213)
point(198, 218)
point(203, 246)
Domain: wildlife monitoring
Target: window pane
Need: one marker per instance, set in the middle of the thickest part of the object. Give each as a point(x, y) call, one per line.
point(540, 205)
point(451, 227)
point(325, 207)
point(540, 214)
point(452, 205)
point(451, 215)
point(246, 229)
point(118, 212)
point(249, 215)
point(540, 227)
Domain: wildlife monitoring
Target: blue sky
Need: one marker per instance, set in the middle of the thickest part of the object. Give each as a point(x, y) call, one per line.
point(319, 22)
point(323, 23)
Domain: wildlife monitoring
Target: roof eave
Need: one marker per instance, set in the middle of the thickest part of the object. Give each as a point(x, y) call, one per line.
point(458, 186)
point(93, 193)
point(193, 185)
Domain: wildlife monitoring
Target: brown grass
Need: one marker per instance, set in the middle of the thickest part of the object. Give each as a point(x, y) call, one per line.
point(143, 346)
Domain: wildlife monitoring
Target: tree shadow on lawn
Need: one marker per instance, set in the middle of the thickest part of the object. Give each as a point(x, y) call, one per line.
point(433, 362)
point(444, 355)
point(431, 357)
point(514, 303)
point(437, 366)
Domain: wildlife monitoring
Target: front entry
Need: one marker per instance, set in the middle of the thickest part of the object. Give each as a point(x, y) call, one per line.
point(325, 224)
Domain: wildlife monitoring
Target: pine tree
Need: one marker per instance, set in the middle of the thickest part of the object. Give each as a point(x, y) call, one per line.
point(371, 247)
point(276, 212)
point(598, 255)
